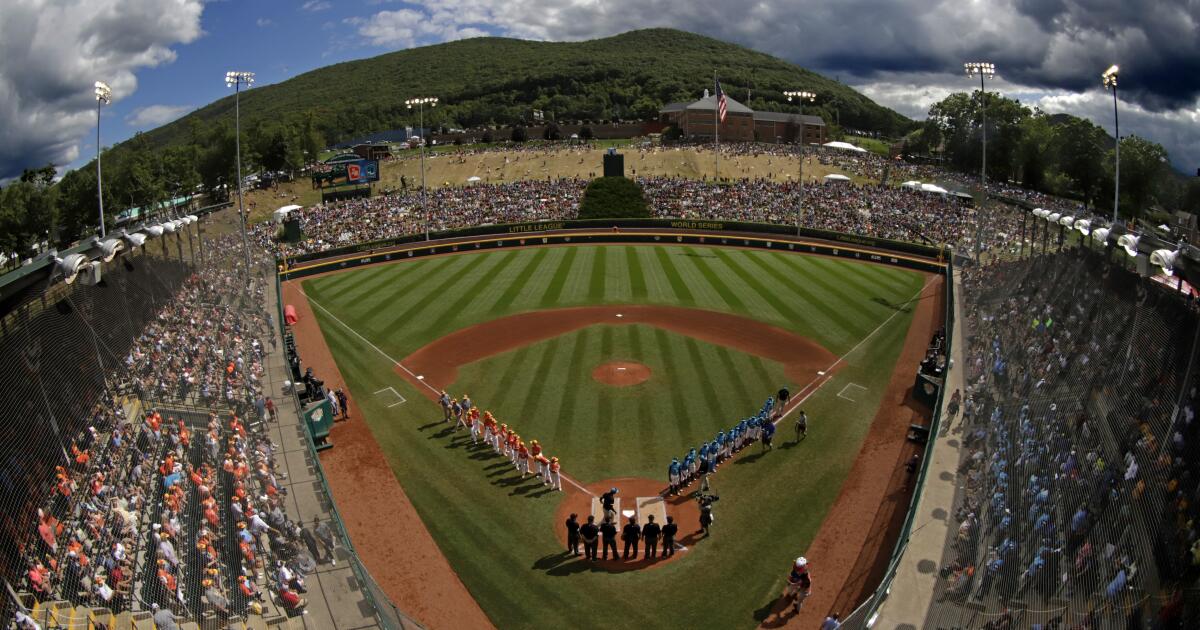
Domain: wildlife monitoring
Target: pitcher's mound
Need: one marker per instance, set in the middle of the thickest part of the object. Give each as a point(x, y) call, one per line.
point(621, 373)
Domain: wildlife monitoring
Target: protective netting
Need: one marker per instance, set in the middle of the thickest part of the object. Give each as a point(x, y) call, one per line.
point(1078, 455)
point(135, 471)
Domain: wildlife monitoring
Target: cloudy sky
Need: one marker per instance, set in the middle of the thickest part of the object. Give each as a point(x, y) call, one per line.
point(164, 58)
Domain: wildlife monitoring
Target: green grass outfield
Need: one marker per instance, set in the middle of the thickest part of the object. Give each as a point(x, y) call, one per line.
point(497, 534)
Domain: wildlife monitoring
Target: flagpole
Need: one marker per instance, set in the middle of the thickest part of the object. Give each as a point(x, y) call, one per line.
point(717, 129)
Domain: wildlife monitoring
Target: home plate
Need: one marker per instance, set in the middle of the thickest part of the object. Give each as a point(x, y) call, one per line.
point(628, 513)
point(620, 315)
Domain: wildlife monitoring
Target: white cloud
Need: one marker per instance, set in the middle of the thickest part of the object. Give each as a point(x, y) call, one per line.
point(153, 116)
point(316, 5)
point(264, 22)
point(51, 51)
point(405, 28)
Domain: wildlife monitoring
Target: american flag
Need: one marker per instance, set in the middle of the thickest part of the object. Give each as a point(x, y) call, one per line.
point(722, 107)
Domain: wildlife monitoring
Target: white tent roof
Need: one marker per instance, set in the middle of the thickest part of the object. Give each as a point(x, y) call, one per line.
point(281, 213)
point(473, 178)
point(932, 188)
point(836, 177)
point(845, 146)
point(912, 183)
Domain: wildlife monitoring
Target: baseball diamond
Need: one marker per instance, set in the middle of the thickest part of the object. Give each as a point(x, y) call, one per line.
point(522, 330)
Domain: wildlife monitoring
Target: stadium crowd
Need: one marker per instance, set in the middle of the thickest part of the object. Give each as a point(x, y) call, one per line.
point(1072, 457)
point(179, 510)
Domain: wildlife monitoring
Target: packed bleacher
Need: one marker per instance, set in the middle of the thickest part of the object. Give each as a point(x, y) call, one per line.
point(1078, 475)
point(170, 502)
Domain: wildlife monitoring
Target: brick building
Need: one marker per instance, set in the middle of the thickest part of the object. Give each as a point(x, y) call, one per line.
point(742, 124)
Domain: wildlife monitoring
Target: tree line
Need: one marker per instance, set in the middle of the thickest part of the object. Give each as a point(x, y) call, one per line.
point(35, 209)
point(1058, 154)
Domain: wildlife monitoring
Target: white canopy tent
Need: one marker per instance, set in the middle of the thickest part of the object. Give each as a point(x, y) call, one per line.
point(933, 188)
point(472, 179)
point(281, 214)
point(845, 146)
point(911, 184)
point(836, 177)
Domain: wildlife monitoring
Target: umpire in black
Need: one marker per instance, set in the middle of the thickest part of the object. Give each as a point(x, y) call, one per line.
point(608, 534)
point(668, 535)
point(591, 537)
point(650, 533)
point(573, 534)
point(631, 534)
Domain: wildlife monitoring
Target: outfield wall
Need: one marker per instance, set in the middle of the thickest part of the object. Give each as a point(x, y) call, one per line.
point(553, 233)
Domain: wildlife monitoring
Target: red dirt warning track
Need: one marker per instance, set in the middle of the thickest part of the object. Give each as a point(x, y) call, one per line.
point(439, 361)
point(414, 575)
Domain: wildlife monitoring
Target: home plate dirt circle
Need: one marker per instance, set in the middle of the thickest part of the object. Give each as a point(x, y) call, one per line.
point(621, 373)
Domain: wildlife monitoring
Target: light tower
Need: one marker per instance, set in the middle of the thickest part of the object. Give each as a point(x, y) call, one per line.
point(421, 103)
point(800, 96)
point(103, 97)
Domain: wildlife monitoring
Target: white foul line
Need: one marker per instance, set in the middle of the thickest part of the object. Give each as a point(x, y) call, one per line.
point(825, 374)
point(410, 372)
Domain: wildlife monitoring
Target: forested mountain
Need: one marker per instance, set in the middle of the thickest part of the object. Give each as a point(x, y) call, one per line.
point(498, 81)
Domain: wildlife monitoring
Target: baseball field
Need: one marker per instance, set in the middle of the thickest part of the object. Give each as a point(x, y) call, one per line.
point(617, 358)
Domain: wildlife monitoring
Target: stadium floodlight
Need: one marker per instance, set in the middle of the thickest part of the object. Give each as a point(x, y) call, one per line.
point(1067, 222)
point(1101, 234)
point(1130, 243)
point(800, 96)
point(1110, 81)
point(133, 240)
point(109, 248)
point(1053, 217)
point(1164, 258)
point(168, 227)
point(984, 70)
point(70, 266)
point(193, 218)
point(420, 103)
point(103, 97)
point(155, 231)
point(1083, 226)
point(236, 79)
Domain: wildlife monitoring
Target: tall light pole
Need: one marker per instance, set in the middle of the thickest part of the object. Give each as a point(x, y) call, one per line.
point(103, 97)
point(421, 103)
point(800, 96)
point(235, 80)
point(1110, 81)
point(985, 70)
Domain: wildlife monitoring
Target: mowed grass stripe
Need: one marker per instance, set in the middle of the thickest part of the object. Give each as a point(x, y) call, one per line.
point(734, 375)
point(700, 259)
point(382, 291)
point(856, 285)
point(683, 295)
point(682, 421)
point(343, 285)
point(575, 372)
point(578, 289)
point(459, 298)
point(540, 371)
point(595, 292)
point(440, 309)
point(617, 283)
point(605, 421)
point(703, 381)
point(658, 286)
point(380, 321)
point(764, 292)
point(647, 427)
point(872, 276)
point(518, 284)
point(637, 281)
point(553, 293)
point(498, 390)
point(822, 315)
point(832, 293)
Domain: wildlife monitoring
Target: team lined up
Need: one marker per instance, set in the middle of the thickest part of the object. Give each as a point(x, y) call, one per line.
point(697, 463)
point(501, 438)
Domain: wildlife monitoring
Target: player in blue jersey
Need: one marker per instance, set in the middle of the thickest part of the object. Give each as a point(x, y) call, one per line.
point(674, 475)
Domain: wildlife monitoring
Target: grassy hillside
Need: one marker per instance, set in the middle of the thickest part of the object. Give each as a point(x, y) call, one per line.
point(497, 80)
